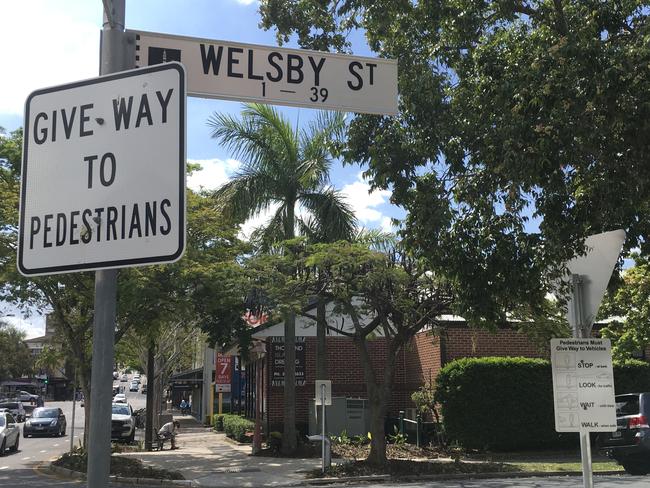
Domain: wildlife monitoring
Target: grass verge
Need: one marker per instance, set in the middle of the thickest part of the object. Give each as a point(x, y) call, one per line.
point(406, 468)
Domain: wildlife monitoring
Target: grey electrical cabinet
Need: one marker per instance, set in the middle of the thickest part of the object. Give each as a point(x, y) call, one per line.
point(349, 414)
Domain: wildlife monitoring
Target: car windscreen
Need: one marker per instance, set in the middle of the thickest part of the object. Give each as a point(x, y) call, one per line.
point(12, 406)
point(2, 421)
point(48, 413)
point(627, 405)
point(121, 410)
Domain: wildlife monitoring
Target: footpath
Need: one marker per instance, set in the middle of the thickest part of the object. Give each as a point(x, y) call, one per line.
point(209, 459)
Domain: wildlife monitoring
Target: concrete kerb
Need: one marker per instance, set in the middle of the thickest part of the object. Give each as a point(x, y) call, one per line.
point(69, 473)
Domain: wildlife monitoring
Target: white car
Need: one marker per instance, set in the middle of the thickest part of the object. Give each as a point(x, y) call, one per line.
point(16, 408)
point(122, 422)
point(25, 396)
point(119, 398)
point(9, 432)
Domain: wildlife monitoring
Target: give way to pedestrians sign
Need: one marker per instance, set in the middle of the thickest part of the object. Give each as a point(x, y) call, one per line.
point(103, 175)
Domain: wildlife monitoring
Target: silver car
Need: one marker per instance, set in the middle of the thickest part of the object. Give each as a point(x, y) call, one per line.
point(9, 433)
point(16, 408)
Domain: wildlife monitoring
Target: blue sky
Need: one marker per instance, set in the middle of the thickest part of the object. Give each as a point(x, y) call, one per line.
point(51, 42)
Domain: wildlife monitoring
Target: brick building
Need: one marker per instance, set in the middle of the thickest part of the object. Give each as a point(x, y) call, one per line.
point(418, 364)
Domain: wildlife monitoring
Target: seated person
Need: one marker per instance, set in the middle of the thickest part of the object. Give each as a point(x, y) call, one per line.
point(184, 407)
point(169, 431)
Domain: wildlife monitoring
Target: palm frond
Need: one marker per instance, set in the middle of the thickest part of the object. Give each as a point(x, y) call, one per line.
point(245, 195)
point(336, 218)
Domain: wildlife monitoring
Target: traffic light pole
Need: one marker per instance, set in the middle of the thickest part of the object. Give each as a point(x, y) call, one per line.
point(112, 59)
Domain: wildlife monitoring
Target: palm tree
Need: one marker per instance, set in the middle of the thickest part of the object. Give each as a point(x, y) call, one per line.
point(289, 169)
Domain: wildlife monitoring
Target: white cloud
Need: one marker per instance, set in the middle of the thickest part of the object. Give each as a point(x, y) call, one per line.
point(32, 329)
point(246, 2)
point(45, 44)
point(386, 225)
point(364, 202)
point(214, 173)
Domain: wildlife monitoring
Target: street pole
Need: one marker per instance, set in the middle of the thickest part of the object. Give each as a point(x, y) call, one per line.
point(74, 404)
point(581, 331)
point(322, 403)
point(112, 59)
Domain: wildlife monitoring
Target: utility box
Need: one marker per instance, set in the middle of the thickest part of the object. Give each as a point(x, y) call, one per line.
point(349, 414)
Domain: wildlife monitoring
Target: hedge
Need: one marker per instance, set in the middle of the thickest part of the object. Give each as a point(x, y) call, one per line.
point(236, 427)
point(506, 403)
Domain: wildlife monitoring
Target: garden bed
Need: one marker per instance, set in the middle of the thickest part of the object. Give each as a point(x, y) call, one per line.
point(126, 467)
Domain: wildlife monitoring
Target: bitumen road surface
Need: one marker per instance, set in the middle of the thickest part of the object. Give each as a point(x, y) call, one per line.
point(25, 467)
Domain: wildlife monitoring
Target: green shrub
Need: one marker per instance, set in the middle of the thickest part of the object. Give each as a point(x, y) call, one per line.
point(218, 422)
point(274, 442)
point(498, 403)
point(506, 403)
point(631, 376)
point(236, 427)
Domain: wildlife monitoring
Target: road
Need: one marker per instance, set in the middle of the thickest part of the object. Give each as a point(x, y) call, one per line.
point(622, 481)
point(21, 468)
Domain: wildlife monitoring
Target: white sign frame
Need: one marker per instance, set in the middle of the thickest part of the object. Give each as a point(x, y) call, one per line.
point(145, 175)
point(229, 70)
point(583, 385)
point(328, 391)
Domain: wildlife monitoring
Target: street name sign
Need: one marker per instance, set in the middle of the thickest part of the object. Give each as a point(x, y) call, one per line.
point(583, 385)
point(295, 77)
point(103, 173)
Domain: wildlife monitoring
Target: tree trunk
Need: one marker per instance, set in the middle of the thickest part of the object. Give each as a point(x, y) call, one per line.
point(378, 396)
point(378, 407)
point(84, 382)
point(148, 433)
point(289, 437)
point(321, 345)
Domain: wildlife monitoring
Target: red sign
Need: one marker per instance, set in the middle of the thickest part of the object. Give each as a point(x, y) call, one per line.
point(223, 371)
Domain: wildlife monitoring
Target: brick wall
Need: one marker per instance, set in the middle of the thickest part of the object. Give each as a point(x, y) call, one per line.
point(346, 372)
point(463, 342)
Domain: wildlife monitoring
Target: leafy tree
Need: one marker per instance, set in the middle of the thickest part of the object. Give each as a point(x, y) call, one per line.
point(147, 297)
point(522, 127)
point(629, 308)
point(385, 295)
point(288, 168)
point(17, 360)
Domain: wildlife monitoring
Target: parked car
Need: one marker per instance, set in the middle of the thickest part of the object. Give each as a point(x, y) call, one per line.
point(122, 422)
point(9, 432)
point(119, 398)
point(25, 396)
point(46, 421)
point(143, 390)
point(116, 375)
point(16, 408)
point(124, 378)
point(133, 386)
point(629, 445)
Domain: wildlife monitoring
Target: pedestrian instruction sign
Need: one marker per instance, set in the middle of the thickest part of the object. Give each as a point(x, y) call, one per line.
point(103, 175)
point(266, 74)
point(583, 385)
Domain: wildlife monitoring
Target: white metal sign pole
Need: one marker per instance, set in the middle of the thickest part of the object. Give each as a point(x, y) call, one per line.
point(112, 59)
point(322, 402)
point(581, 331)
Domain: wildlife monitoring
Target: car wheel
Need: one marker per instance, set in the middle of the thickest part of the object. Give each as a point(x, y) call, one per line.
point(25, 435)
point(3, 447)
point(636, 468)
point(15, 447)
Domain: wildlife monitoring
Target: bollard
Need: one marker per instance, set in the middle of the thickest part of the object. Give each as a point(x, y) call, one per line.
point(418, 428)
point(401, 422)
